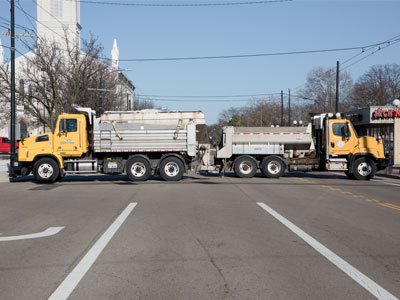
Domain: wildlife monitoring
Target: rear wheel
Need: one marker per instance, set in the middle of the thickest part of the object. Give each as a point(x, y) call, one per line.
point(245, 167)
point(171, 169)
point(46, 170)
point(273, 167)
point(364, 168)
point(138, 169)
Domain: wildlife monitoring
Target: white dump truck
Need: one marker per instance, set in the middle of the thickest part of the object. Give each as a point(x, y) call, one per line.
point(142, 143)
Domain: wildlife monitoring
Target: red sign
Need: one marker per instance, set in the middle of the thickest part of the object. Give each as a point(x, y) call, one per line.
point(386, 113)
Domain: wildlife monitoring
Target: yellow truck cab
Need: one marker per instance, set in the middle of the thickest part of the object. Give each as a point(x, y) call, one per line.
point(358, 157)
point(44, 154)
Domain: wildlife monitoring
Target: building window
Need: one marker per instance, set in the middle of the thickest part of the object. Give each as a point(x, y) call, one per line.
point(56, 8)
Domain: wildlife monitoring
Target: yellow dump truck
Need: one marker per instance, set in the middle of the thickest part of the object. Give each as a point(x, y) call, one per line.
point(328, 143)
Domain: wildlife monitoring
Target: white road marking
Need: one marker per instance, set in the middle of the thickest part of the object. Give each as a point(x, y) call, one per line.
point(48, 232)
point(372, 287)
point(72, 280)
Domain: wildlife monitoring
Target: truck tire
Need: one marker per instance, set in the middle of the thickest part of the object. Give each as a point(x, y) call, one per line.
point(364, 168)
point(273, 167)
point(245, 167)
point(138, 169)
point(46, 170)
point(171, 169)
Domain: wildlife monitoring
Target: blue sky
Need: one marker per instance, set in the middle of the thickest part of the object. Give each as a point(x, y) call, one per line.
point(153, 32)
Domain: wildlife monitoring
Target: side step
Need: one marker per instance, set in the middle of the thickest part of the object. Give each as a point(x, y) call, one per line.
point(337, 164)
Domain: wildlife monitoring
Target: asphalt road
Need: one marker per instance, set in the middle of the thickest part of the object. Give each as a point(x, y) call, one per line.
point(206, 237)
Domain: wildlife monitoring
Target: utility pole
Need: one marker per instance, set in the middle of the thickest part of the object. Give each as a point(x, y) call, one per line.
point(337, 86)
point(281, 108)
point(100, 97)
point(12, 146)
point(289, 110)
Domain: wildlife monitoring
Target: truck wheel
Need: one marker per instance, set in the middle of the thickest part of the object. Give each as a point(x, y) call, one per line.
point(364, 169)
point(171, 169)
point(273, 167)
point(46, 170)
point(138, 169)
point(245, 167)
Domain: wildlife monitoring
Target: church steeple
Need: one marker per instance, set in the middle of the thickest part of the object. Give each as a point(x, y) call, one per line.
point(114, 55)
point(56, 18)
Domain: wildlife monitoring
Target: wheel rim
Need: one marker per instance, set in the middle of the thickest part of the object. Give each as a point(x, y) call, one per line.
point(45, 171)
point(171, 169)
point(138, 169)
point(364, 169)
point(245, 167)
point(274, 167)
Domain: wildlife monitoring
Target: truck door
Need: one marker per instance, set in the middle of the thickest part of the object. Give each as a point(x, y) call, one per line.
point(341, 139)
point(67, 139)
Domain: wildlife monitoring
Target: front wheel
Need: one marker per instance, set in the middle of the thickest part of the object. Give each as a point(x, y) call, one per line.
point(364, 168)
point(46, 170)
point(171, 169)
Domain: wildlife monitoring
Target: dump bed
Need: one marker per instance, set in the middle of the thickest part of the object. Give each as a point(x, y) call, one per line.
point(269, 135)
point(154, 117)
point(131, 137)
point(264, 140)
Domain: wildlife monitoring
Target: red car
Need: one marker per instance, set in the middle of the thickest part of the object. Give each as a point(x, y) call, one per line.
point(5, 145)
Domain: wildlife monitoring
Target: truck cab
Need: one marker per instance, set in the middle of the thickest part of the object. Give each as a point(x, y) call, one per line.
point(44, 154)
point(344, 150)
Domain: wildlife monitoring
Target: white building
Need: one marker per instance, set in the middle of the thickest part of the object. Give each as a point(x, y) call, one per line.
point(59, 20)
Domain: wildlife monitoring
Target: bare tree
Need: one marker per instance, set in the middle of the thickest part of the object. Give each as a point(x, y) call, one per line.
point(321, 88)
point(143, 103)
point(378, 86)
point(58, 77)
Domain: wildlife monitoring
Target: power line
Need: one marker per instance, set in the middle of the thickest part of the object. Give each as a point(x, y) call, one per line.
point(209, 96)
point(389, 42)
point(33, 18)
point(146, 98)
point(181, 4)
point(8, 23)
point(246, 55)
point(379, 49)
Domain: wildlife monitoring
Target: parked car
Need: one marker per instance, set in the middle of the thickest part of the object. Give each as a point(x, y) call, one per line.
point(5, 145)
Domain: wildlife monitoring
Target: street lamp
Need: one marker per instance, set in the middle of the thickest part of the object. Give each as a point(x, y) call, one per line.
point(396, 134)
